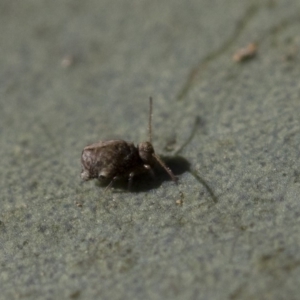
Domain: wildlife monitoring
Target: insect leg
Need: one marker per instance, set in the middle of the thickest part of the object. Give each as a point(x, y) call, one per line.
point(131, 175)
point(167, 169)
point(150, 170)
point(110, 184)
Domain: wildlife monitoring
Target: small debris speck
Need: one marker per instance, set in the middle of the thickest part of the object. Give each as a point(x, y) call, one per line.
point(245, 53)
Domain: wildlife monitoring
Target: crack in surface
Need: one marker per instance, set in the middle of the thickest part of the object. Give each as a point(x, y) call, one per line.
point(241, 25)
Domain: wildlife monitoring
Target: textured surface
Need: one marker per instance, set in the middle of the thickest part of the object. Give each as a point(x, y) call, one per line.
point(75, 72)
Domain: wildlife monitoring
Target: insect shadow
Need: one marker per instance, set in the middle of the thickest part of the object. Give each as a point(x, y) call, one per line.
point(148, 181)
point(117, 162)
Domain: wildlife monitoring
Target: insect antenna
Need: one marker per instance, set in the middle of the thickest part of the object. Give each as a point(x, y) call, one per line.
point(150, 121)
point(168, 170)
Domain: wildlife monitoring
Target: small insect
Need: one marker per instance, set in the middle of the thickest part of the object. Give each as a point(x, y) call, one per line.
point(115, 159)
point(246, 53)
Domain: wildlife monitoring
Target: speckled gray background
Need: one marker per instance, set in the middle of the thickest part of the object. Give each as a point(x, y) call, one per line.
point(73, 72)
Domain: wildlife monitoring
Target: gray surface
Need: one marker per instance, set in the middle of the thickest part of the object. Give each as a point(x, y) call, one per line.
point(237, 234)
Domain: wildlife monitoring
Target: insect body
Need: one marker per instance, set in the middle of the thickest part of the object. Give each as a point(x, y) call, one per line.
point(114, 159)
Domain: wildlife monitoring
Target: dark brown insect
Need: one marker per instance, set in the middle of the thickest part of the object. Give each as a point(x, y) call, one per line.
point(114, 159)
